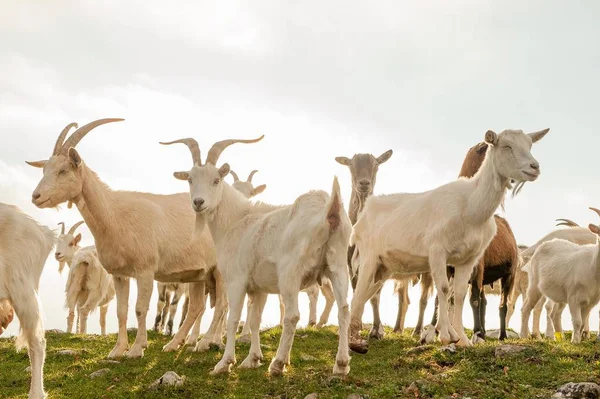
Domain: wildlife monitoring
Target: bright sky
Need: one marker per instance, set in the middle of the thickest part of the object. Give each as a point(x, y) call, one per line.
point(424, 79)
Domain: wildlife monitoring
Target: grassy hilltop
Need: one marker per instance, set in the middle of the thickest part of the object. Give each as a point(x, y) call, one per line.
point(387, 371)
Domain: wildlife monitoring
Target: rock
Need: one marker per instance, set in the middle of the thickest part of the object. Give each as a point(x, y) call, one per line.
point(68, 352)
point(99, 373)
point(307, 358)
point(509, 350)
point(311, 396)
point(582, 390)
point(169, 379)
point(107, 361)
point(55, 331)
point(419, 349)
point(496, 334)
point(449, 348)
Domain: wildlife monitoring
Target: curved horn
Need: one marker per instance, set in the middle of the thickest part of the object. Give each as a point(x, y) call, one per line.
point(62, 229)
point(192, 145)
point(595, 210)
point(76, 225)
point(566, 222)
point(219, 146)
point(251, 175)
point(78, 134)
point(235, 176)
point(61, 138)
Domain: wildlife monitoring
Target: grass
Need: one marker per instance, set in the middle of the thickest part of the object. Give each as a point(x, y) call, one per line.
point(385, 372)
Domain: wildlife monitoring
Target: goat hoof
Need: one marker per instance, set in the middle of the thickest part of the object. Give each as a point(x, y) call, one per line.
point(276, 368)
point(376, 333)
point(311, 323)
point(341, 367)
point(477, 339)
point(361, 347)
point(251, 362)
point(221, 368)
point(171, 347)
point(116, 353)
point(464, 342)
point(135, 352)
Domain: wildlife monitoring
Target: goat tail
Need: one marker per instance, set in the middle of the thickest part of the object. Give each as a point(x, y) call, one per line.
point(335, 208)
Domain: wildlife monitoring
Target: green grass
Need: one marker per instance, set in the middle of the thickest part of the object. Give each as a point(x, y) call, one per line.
point(385, 372)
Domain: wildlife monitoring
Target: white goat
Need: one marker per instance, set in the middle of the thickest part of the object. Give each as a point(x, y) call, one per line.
point(66, 246)
point(264, 249)
point(137, 235)
point(565, 273)
point(247, 189)
point(89, 286)
point(24, 248)
point(404, 234)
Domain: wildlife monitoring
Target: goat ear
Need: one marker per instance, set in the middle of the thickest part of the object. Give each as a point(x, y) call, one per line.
point(76, 239)
point(342, 160)
point(537, 136)
point(594, 229)
point(36, 164)
point(491, 137)
point(74, 157)
point(384, 157)
point(181, 175)
point(482, 148)
point(259, 189)
point(224, 170)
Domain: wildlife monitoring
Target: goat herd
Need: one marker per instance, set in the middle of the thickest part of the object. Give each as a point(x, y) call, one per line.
point(256, 249)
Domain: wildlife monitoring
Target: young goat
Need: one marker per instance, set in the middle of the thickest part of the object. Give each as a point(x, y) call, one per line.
point(452, 224)
point(264, 249)
point(89, 286)
point(565, 273)
point(363, 170)
point(24, 248)
point(137, 235)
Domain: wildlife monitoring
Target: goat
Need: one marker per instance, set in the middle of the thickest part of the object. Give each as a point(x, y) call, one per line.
point(169, 293)
point(499, 262)
point(89, 286)
point(363, 170)
point(24, 247)
point(452, 224)
point(565, 273)
point(66, 247)
point(264, 249)
point(247, 189)
point(575, 234)
point(138, 235)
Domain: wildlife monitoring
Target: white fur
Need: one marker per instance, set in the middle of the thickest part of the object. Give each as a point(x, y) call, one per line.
point(24, 248)
point(452, 224)
point(89, 286)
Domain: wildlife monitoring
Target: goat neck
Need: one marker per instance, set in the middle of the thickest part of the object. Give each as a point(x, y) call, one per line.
point(94, 203)
point(232, 207)
point(488, 188)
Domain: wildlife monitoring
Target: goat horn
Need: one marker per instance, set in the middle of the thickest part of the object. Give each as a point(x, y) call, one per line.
point(595, 210)
point(192, 145)
point(80, 133)
point(62, 229)
point(61, 138)
point(235, 176)
point(251, 175)
point(219, 146)
point(566, 222)
point(76, 225)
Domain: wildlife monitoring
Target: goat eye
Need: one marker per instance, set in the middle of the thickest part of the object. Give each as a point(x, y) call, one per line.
point(507, 147)
point(62, 172)
point(217, 181)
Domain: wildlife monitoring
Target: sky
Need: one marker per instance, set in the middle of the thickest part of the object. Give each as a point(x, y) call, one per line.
point(319, 80)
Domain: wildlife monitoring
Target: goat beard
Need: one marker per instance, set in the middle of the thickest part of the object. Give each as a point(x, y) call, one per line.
point(200, 225)
point(517, 187)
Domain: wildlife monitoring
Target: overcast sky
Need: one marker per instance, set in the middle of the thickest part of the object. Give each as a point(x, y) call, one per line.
point(320, 80)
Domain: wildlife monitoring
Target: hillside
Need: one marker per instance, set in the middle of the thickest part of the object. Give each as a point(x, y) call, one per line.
point(386, 371)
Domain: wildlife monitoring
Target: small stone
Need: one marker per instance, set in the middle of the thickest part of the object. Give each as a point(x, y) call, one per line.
point(582, 390)
point(55, 331)
point(99, 373)
point(419, 349)
point(170, 379)
point(449, 348)
point(509, 350)
point(311, 396)
point(107, 361)
point(68, 352)
point(307, 358)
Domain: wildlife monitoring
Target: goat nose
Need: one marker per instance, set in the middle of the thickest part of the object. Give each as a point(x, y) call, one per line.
point(365, 182)
point(535, 165)
point(198, 202)
point(35, 196)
